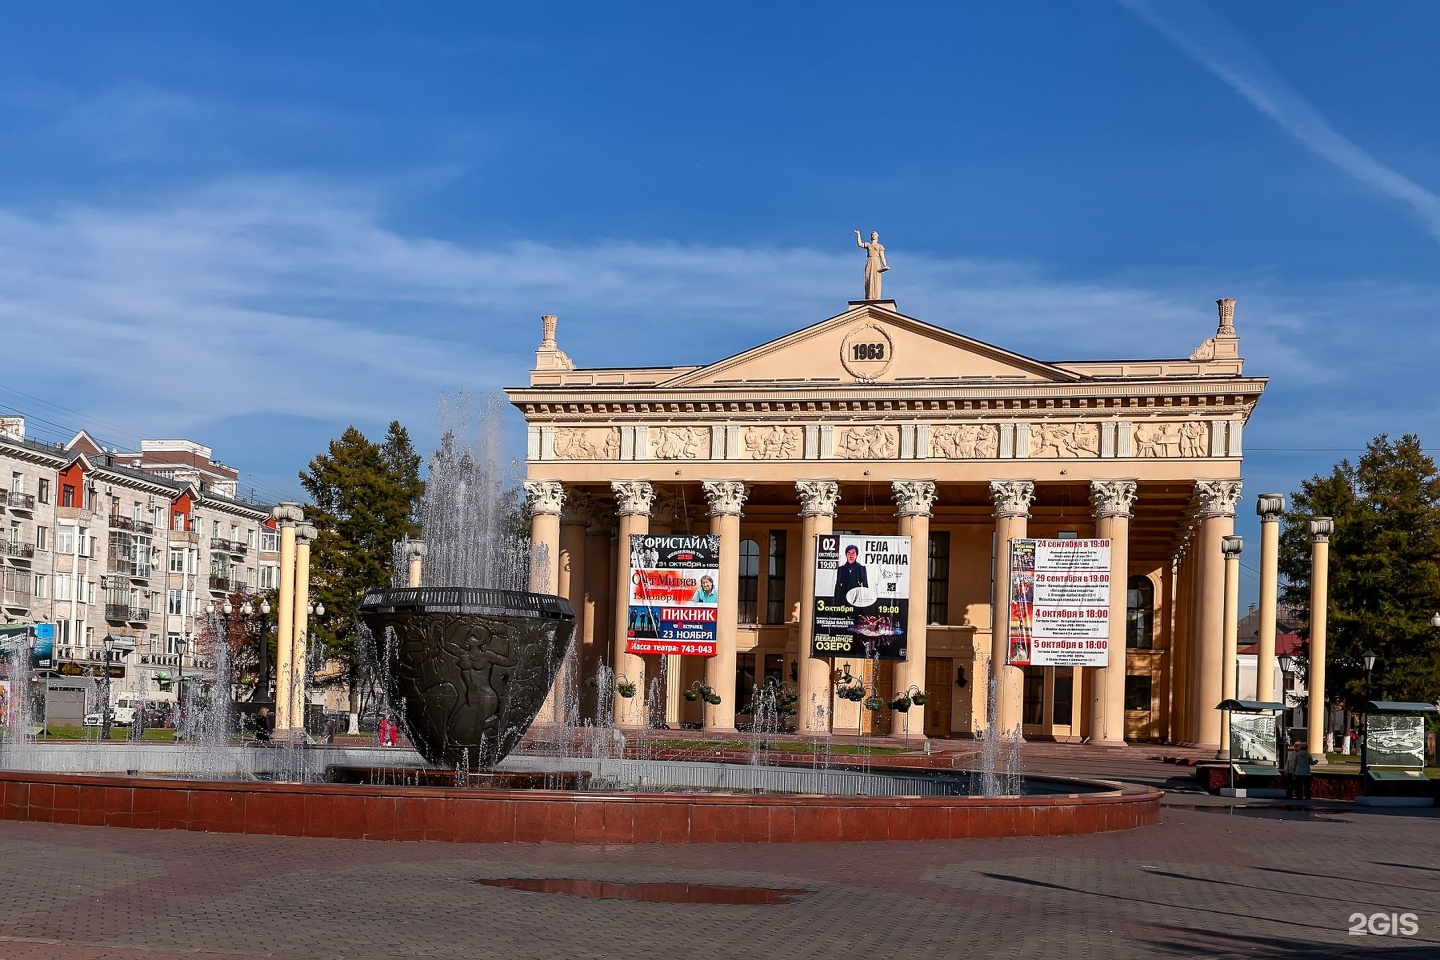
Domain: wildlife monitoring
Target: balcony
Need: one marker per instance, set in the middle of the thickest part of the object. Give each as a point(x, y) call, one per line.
point(15, 598)
point(21, 501)
point(117, 612)
point(142, 527)
point(222, 584)
point(16, 550)
point(233, 547)
point(138, 615)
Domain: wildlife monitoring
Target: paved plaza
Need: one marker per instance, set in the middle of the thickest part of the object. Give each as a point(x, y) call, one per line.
point(1214, 879)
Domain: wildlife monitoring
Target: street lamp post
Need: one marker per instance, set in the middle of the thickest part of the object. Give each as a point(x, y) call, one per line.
point(105, 686)
point(1368, 658)
point(1287, 669)
point(262, 670)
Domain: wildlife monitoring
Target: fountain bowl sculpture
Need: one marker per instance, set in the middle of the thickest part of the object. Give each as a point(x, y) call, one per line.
point(468, 668)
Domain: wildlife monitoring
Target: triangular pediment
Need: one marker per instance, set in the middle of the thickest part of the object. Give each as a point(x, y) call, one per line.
point(871, 343)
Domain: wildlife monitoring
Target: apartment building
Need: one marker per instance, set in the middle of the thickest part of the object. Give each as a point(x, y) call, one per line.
point(110, 544)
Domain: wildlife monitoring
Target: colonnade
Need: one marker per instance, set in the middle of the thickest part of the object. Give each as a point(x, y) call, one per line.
point(574, 527)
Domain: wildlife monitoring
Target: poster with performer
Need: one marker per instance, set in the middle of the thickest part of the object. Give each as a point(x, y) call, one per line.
point(673, 594)
point(1059, 603)
point(862, 596)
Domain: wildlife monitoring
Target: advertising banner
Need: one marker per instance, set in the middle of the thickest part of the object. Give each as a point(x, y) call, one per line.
point(673, 595)
point(862, 596)
point(1059, 603)
point(42, 653)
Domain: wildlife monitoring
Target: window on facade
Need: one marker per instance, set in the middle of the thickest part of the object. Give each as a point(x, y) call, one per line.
point(174, 643)
point(269, 577)
point(1034, 696)
point(177, 561)
point(270, 541)
point(1140, 614)
point(84, 543)
point(775, 579)
point(177, 521)
point(749, 580)
point(176, 603)
point(1064, 695)
point(65, 539)
point(937, 600)
point(744, 680)
point(1138, 692)
point(42, 538)
point(67, 495)
point(17, 482)
point(62, 631)
point(43, 490)
point(64, 586)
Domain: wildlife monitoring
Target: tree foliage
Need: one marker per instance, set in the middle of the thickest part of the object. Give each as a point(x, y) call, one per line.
point(364, 497)
point(1384, 574)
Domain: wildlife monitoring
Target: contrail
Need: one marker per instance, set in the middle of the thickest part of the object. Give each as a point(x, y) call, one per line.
point(1213, 44)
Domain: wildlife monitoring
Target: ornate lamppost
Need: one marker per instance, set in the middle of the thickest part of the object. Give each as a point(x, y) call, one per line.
point(1368, 658)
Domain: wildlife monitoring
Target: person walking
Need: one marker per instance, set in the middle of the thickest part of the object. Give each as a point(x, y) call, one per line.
point(1297, 772)
point(387, 731)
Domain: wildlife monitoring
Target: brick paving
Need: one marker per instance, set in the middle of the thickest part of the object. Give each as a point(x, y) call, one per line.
point(1215, 879)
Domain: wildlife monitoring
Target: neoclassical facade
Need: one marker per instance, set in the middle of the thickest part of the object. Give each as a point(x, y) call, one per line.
point(874, 422)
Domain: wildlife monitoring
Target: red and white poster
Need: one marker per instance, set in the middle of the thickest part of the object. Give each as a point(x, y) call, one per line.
point(674, 599)
point(1059, 603)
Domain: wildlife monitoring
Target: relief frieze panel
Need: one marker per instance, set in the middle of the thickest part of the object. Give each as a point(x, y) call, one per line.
point(1190, 438)
point(680, 443)
point(587, 443)
point(875, 442)
point(966, 441)
point(1064, 440)
point(773, 442)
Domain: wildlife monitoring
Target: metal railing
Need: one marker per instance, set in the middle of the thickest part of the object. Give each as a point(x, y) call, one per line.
point(17, 550)
point(20, 501)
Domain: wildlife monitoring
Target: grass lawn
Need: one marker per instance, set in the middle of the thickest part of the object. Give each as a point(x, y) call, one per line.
point(116, 733)
point(1353, 760)
point(786, 746)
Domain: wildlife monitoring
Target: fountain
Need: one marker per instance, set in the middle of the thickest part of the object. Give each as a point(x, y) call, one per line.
point(466, 659)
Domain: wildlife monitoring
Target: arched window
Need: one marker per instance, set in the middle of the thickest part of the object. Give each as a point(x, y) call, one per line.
point(1140, 614)
point(749, 581)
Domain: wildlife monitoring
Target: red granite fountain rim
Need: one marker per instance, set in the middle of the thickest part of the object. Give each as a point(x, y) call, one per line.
point(1114, 792)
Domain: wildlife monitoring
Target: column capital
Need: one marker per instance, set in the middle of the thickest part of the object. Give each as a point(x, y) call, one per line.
point(914, 497)
point(1217, 498)
point(726, 496)
point(817, 497)
point(577, 509)
point(412, 549)
point(633, 497)
point(1270, 507)
point(305, 533)
point(1320, 529)
point(1112, 498)
point(287, 513)
point(1232, 546)
point(545, 496)
point(1012, 497)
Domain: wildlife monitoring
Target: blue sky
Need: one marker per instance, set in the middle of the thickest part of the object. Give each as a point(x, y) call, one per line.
point(255, 225)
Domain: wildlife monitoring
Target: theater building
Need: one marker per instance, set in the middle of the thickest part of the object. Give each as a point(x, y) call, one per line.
point(875, 422)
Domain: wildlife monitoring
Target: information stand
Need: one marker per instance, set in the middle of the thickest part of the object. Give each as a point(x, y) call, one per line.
point(1392, 757)
point(1254, 747)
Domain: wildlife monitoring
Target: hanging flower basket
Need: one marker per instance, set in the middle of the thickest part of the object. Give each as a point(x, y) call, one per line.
point(162, 680)
point(692, 695)
point(873, 703)
point(626, 690)
point(713, 699)
point(900, 704)
point(919, 699)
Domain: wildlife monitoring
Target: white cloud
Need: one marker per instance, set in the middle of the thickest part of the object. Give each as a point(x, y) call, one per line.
point(1213, 44)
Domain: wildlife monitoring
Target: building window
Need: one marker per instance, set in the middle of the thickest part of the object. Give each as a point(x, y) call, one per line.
point(177, 561)
point(1140, 614)
point(1138, 692)
point(84, 543)
point(42, 538)
point(775, 579)
point(749, 581)
point(64, 586)
point(270, 541)
point(937, 599)
point(174, 643)
point(744, 681)
point(39, 586)
point(1034, 697)
point(269, 577)
point(177, 521)
point(176, 604)
point(17, 483)
point(43, 492)
point(65, 539)
point(1064, 695)
point(67, 495)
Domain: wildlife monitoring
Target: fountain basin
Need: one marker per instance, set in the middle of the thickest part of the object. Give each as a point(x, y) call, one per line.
point(468, 668)
point(486, 815)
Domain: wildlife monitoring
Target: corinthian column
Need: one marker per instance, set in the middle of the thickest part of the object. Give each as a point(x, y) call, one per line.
point(817, 516)
point(1215, 502)
point(1012, 513)
point(632, 505)
point(726, 497)
point(1270, 507)
point(305, 534)
point(547, 500)
point(913, 499)
point(1112, 500)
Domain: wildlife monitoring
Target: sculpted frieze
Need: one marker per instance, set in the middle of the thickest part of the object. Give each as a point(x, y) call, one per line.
point(773, 443)
point(1188, 439)
point(1064, 440)
point(587, 443)
point(867, 443)
point(680, 443)
point(966, 441)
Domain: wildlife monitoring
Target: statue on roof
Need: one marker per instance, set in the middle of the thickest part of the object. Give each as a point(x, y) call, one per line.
point(874, 263)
